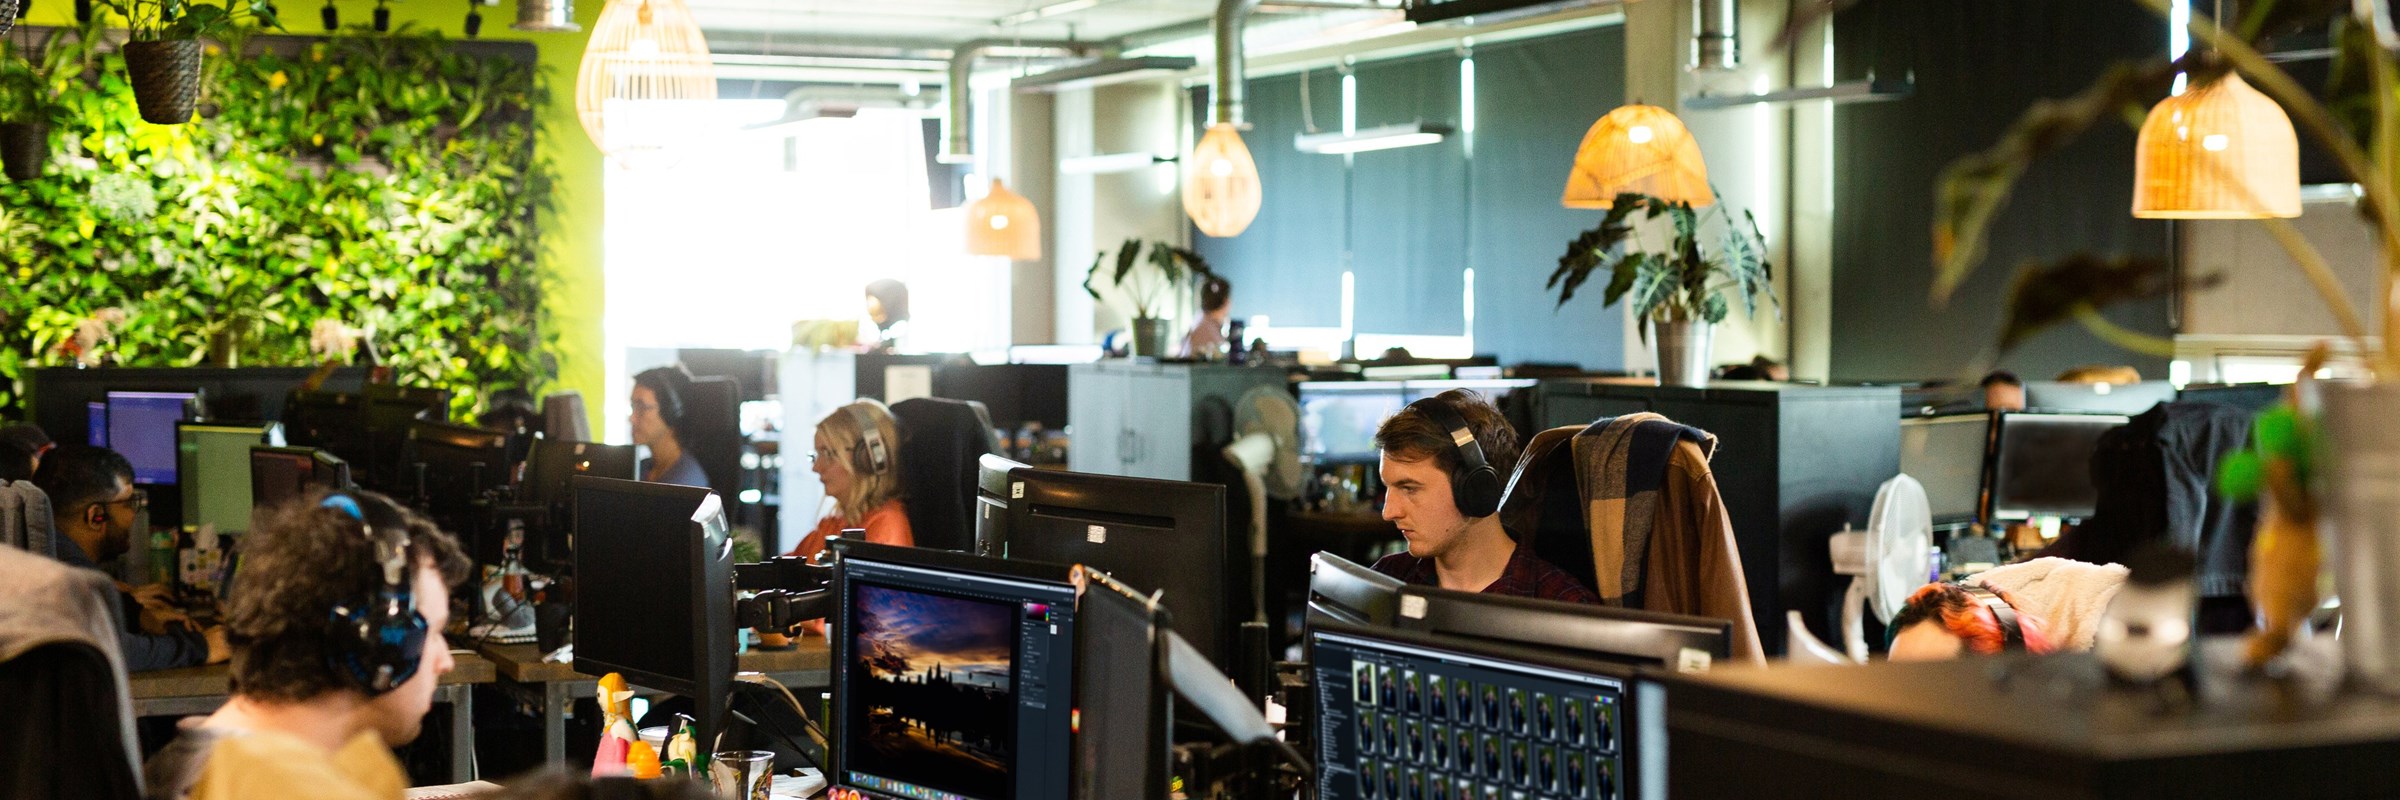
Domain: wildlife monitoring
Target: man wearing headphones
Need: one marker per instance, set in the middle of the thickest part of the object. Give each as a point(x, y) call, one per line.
point(1445, 460)
point(334, 661)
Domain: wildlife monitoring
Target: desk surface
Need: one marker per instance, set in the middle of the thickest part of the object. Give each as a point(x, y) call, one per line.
point(216, 679)
point(523, 663)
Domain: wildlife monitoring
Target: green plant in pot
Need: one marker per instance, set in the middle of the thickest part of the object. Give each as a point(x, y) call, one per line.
point(1149, 283)
point(29, 104)
point(1679, 289)
point(162, 59)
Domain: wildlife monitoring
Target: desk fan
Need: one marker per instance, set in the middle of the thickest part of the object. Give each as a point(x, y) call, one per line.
point(1887, 561)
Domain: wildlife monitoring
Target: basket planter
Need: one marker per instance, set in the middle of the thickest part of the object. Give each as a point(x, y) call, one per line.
point(24, 149)
point(166, 79)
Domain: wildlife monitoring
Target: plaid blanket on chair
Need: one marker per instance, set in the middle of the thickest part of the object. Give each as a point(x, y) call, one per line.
point(1630, 455)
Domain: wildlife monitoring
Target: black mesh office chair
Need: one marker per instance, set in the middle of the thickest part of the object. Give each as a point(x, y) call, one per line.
point(712, 421)
point(940, 440)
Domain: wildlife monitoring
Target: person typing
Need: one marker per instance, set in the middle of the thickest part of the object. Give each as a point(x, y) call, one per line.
point(94, 506)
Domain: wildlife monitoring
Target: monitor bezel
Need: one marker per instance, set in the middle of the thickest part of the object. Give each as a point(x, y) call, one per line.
point(712, 645)
point(1527, 622)
point(1989, 508)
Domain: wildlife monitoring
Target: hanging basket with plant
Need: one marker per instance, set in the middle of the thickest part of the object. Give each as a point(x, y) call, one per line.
point(1680, 289)
point(162, 60)
point(1170, 270)
point(29, 106)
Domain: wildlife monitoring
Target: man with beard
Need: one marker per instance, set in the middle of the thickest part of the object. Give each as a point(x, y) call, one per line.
point(94, 505)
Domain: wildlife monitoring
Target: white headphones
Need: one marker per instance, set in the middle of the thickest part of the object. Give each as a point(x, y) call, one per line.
point(871, 435)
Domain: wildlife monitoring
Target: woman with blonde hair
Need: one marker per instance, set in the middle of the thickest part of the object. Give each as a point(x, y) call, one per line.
point(858, 459)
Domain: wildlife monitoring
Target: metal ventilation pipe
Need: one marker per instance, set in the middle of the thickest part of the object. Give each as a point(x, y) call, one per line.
point(958, 146)
point(1716, 35)
point(1232, 16)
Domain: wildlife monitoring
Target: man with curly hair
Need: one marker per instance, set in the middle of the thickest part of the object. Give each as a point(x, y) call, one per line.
point(322, 690)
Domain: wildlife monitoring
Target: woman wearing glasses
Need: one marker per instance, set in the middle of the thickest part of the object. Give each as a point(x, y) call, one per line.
point(659, 424)
point(858, 459)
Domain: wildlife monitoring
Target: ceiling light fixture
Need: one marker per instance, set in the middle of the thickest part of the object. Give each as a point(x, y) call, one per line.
point(2218, 151)
point(1221, 190)
point(1384, 137)
point(1641, 149)
point(1004, 223)
point(641, 50)
point(1867, 91)
point(1104, 72)
point(1111, 163)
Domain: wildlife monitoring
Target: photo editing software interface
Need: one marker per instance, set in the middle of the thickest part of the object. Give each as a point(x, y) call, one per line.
point(957, 686)
point(1409, 722)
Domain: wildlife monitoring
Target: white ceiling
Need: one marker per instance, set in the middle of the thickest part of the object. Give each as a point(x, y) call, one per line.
point(945, 21)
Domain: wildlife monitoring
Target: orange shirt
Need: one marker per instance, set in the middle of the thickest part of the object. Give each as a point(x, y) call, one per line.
point(887, 524)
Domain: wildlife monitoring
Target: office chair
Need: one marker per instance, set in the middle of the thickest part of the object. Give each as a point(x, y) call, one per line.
point(25, 521)
point(70, 720)
point(940, 440)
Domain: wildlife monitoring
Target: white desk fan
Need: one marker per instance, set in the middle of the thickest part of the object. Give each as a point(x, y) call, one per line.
point(1887, 561)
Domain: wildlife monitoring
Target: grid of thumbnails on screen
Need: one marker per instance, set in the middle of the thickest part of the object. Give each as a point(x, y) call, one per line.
point(1408, 722)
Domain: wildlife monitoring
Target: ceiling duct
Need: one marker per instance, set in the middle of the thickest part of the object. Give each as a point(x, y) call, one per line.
point(1426, 12)
point(958, 145)
point(1104, 72)
point(1716, 35)
point(838, 102)
point(1228, 91)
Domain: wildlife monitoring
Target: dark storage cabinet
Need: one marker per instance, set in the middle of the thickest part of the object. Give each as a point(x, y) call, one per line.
point(1794, 464)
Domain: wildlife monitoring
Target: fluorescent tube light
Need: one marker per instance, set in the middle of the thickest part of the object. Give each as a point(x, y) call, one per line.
point(1111, 163)
point(1866, 91)
point(1104, 72)
point(1383, 137)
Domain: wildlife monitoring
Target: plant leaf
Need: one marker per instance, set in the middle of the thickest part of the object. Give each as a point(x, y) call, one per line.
point(2060, 291)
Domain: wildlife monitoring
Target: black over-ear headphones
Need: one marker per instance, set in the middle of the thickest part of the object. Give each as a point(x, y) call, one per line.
point(2012, 636)
point(376, 641)
point(670, 397)
point(878, 456)
point(1474, 485)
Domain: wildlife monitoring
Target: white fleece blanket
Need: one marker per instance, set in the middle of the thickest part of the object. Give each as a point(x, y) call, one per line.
point(2067, 595)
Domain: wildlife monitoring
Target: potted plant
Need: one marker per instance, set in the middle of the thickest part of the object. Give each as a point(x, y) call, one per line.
point(163, 57)
point(1680, 289)
point(1170, 270)
point(29, 104)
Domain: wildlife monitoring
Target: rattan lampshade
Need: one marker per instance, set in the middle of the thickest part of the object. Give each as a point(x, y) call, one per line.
point(641, 50)
point(2220, 151)
point(1004, 223)
point(1220, 183)
point(1641, 149)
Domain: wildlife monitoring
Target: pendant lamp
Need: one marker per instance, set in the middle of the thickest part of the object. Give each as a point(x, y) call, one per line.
point(641, 50)
point(2220, 151)
point(1642, 149)
point(1004, 223)
point(1220, 183)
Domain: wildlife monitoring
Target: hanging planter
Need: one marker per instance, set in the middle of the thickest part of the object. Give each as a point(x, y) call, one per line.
point(166, 79)
point(24, 149)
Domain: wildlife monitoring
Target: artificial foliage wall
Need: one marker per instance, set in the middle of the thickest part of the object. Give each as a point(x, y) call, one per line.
point(384, 185)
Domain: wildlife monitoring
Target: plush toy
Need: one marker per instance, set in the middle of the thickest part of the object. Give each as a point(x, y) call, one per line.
point(2284, 555)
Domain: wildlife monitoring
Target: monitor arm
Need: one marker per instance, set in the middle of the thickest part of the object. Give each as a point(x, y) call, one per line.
point(789, 591)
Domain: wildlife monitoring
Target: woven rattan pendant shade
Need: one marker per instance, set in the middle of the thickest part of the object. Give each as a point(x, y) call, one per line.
point(2220, 151)
point(1220, 183)
point(641, 50)
point(1640, 149)
point(1004, 223)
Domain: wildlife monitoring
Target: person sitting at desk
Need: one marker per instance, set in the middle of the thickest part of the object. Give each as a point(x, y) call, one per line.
point(2003, 391)
point(858, 459)
point(94, 506)
point(1444, 458)
point(317, 707)
point(1206, 340)
point(658, 423)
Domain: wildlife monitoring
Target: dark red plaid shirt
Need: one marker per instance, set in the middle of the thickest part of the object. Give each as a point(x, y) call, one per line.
point(1526, 575)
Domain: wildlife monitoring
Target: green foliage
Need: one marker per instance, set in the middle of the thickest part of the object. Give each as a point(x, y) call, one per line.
point(2280, 435)
point(1170, 268)
point(32, 78)
point(386, 182)
point(1678, 284)
point(167, 20)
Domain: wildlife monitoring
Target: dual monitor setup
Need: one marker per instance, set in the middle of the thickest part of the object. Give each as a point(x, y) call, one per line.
point(2006, 467)
point(1050, 663)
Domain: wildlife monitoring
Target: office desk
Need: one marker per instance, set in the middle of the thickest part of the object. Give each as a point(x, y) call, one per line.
point(806, 665)
point(200, 690)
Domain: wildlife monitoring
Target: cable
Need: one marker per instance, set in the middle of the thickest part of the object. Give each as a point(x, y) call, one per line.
point(761, 678)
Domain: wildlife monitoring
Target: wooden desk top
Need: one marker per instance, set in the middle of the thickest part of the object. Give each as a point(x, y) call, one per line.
point(215, 680)
point(523, 664)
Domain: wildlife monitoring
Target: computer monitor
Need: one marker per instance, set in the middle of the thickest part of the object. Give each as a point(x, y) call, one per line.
point(141, 427)
point(1492, 389)
point(654, 590)
point(213, 460)
point(1593, 633)
point(1338, 418)
point(1341, 589)
point(1123, 707)
point(2040, 464)
point(95, 423)
point(991, 502)
point(553, 463)
point(390, 412)
point(461, 462)
point(953, 675)
point(335, 422)
point(1945, 454)
point(281, 475)
point(1406, 715)
point(2099, 398)
point(1157, 535)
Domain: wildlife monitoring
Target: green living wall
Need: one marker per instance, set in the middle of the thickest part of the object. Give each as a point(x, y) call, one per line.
point(385, 182)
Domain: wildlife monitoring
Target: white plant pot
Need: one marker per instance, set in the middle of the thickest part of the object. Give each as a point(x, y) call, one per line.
point(1682, 351)
point(2360, 463)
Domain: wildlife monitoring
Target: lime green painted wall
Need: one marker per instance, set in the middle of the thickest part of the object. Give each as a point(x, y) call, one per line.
point(572, 300)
